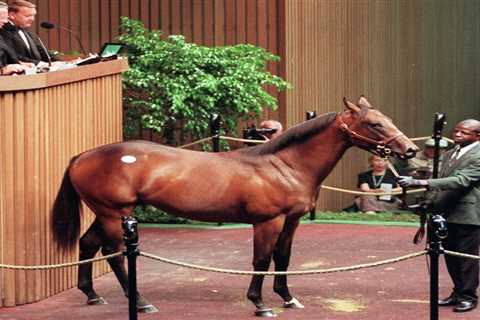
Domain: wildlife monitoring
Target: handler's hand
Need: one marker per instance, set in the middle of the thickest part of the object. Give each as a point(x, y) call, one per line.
point(406, 182)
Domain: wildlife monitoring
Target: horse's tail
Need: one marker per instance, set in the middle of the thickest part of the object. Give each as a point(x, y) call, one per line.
point(66, 212)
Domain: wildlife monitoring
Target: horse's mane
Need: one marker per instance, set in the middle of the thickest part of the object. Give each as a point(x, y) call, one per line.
point(295, 134)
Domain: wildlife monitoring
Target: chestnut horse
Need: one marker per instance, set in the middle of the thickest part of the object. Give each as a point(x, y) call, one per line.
point(270, 186)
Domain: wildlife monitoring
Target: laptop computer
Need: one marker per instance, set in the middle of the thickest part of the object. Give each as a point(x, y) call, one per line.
point(109, 51)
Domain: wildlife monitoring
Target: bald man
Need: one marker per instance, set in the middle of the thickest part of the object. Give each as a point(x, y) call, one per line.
point(271, 124)
point(456, 195)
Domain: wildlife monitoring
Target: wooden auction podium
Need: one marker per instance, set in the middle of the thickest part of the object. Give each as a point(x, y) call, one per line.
point(45, 119)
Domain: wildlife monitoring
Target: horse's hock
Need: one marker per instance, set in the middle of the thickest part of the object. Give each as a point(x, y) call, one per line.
point(45, 120)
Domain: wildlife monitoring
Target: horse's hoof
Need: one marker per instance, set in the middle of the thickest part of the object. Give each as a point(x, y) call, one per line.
point(266, 312)
point(96, 301)
point(293, 304)
point(150, 308)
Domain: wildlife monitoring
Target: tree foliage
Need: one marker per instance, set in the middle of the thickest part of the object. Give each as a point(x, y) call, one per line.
point(175, 85)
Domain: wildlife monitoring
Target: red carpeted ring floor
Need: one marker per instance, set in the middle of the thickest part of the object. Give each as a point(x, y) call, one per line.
point(395, 291)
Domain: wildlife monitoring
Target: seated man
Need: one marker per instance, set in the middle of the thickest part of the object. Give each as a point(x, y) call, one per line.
point(271, 124)
point(378, 180)
point(26, 44)
point(268, 130)
point(9, 63)
point(421, 166)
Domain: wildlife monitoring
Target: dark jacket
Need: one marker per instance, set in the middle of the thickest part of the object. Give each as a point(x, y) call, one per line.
point(457, 194)
point(7, 55)
point(35, 54)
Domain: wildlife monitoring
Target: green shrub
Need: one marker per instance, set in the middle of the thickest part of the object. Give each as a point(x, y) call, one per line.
point(173, 86)
point(150, 214)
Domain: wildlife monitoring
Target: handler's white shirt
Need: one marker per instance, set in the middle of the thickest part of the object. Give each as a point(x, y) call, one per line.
point(465, 149)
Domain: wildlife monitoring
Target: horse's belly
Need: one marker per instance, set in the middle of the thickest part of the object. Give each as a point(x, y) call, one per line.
point(198, 214)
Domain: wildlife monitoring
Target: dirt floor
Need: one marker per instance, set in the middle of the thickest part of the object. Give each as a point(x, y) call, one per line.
point(395, 291)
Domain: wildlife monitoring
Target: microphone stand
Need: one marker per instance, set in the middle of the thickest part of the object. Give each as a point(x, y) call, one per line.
point(46, 52)
point(76, 38)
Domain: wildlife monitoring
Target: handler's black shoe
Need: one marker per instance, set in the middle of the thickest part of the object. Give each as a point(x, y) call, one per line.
point(464, 306)
point(450, 301)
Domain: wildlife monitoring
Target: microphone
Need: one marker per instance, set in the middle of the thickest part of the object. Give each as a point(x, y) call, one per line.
point(48, 25)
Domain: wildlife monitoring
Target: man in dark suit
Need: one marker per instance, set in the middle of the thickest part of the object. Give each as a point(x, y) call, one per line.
point(27, 45)
point(456, 195)
point(9, 62)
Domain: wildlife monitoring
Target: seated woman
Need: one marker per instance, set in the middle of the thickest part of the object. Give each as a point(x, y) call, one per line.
point(378, 180)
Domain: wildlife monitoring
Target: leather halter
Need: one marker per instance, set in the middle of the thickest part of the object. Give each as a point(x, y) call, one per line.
point(379, 147)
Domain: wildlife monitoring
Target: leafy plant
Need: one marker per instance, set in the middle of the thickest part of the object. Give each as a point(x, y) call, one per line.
point(150, 214)
point(174, 86)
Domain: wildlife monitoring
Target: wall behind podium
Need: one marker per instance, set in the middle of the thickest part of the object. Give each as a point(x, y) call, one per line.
point(45, 119)
point(411, 58)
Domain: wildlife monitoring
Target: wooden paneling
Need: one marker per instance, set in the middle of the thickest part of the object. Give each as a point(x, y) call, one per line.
point(411, 58)
point(204, 22)
point(44, 122)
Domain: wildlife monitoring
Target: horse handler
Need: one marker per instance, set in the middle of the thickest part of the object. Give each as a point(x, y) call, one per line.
point(456, 195)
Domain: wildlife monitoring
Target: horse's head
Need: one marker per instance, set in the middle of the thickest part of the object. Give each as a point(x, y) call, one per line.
point(369, 129)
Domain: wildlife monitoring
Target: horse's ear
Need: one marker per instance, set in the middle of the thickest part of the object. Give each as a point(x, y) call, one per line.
point(363, 102)
point(353, 107)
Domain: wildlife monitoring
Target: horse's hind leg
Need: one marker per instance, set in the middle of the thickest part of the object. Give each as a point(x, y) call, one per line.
point(265, 237)
point(281, 257)
point(89, 245)
point(112, 243)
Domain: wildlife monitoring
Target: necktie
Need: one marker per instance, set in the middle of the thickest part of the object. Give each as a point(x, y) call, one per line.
point(33, 47)
point(456, 153)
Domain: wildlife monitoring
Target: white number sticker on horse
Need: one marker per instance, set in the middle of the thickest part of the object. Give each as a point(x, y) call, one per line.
point(128, 159)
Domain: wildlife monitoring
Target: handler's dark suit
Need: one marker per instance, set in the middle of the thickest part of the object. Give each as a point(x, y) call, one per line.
point(35, 53)
point(7, 55)
point(458, 200)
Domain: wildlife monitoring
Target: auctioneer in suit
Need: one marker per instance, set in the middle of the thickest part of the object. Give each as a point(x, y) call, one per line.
point(34, 52)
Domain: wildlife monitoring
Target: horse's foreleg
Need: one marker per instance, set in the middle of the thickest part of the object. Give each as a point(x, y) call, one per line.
point(265, 237)
point(89, 246)
point(281, 257)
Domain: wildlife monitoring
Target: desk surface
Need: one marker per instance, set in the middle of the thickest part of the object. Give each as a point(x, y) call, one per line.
point(54, 78)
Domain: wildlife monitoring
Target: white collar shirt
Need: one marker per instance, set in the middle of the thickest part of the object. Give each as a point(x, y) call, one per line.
point(23, 36)
point(465, 149)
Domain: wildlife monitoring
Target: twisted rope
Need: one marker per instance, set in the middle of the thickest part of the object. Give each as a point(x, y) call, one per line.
point(243, 140)
point(264, 141)
point(428, 137)
point(289, 273)
point(371, 193)
point(323, 186)
point(196, 142)
point(60, 265)
point(463, 255)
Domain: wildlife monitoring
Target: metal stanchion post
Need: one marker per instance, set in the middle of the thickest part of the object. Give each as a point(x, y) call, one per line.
point(437, 232)
point(215, 124)
point(130, 235)
point(310, 115)
point(436, 226)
